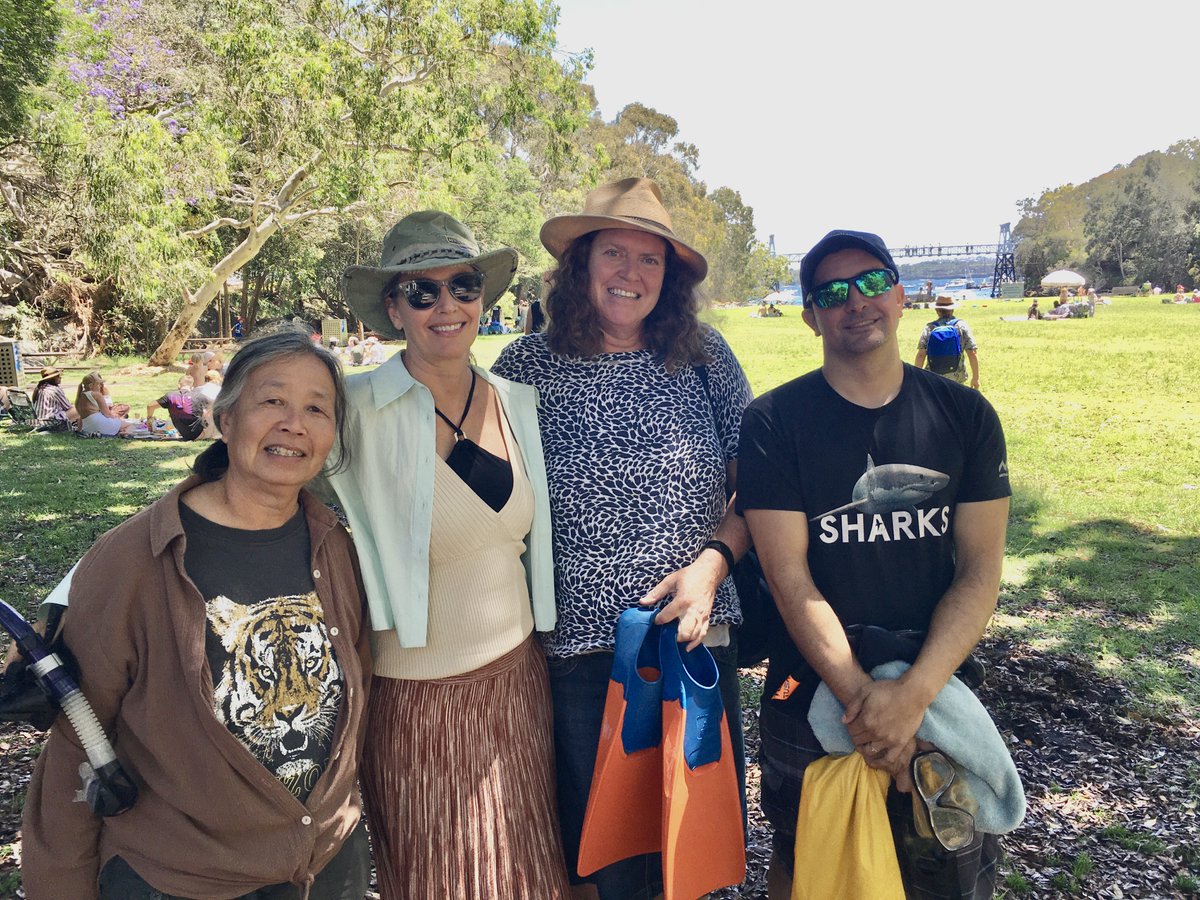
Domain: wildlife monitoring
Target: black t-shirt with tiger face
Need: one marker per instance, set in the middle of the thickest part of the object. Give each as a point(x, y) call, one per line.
point(276, 682)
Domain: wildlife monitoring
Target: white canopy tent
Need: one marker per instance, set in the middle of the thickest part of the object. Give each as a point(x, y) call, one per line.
point(1064, 278)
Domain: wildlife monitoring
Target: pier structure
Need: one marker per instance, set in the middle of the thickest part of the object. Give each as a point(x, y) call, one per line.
point(1003, 251)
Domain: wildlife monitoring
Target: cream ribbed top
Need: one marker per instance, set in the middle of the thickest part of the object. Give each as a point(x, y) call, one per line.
point(478, 595)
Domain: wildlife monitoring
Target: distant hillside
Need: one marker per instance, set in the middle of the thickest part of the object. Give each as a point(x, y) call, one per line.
point(1139, 222)
point(948, 268)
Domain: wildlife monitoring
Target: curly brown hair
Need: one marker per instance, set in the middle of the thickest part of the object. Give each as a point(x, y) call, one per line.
point(672, 330)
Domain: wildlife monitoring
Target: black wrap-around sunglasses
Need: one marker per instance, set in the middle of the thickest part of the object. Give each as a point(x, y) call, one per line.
point(422, 293)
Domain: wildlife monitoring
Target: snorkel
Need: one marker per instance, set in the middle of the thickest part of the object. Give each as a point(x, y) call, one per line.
point(106, 787)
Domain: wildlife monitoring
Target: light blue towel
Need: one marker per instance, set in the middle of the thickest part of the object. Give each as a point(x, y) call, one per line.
point(958, 725)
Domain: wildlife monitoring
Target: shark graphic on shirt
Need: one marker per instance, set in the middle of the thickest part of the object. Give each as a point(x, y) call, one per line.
point(884, 489)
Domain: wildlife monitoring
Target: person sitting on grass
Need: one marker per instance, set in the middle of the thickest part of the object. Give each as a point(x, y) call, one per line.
point(196, 368)
point(97, 414)
point(1061, 311)
point(210, 388)
point(52, 410)
point(186, 414)
point(373, 352)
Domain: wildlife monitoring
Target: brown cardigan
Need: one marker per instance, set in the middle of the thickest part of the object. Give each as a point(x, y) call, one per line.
point(210, 820)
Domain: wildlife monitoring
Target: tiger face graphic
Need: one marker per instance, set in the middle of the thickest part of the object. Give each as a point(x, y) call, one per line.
point(279, 688)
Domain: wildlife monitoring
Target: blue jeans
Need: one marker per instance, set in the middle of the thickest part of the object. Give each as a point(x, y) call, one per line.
point(579, 686)
point(345, 877)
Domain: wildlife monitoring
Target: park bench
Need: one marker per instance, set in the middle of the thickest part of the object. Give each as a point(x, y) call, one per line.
point(1125, 290)
point(38, 358)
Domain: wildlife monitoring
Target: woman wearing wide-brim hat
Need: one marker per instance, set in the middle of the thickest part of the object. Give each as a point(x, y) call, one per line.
point(446, 496)
point(52, 409)
point(640, 409)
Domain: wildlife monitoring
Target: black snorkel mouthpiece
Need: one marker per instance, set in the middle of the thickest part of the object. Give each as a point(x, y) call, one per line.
point(107, 789)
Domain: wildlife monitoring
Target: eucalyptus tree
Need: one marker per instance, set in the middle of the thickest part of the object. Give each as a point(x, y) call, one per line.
point(331, 105)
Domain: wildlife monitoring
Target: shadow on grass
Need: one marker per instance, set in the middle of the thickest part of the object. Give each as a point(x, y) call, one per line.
point(1125, 599)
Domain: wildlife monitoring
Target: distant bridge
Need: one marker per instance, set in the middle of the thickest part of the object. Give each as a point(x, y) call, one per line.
point(924, 251)
point(1003, 251)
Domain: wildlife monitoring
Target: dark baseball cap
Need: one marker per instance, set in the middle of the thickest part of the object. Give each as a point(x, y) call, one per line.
point(841, 239)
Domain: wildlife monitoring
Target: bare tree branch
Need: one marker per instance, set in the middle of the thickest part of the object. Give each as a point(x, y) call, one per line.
point(218, 223)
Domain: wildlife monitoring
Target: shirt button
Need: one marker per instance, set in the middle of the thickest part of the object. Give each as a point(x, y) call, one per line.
point(316, 573)
point(306, 820)
point(333, 632)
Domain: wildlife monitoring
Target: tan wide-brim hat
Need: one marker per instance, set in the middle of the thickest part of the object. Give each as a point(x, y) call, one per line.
point(49, 372)
point(417, 243)
point(632, 203)
point(945, 303)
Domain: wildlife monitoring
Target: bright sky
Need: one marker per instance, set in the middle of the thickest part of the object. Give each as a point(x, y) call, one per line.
point(924, 121)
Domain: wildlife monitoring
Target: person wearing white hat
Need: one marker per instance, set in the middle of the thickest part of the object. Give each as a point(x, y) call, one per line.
point(946, 342)
point(640, 406)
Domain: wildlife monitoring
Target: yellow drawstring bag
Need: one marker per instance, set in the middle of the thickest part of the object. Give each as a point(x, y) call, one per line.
point(844, 846)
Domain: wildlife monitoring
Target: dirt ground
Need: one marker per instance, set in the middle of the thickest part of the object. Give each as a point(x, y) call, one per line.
point(1112, 796)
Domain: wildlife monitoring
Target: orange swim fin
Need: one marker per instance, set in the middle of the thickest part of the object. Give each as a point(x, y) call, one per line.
point(624, 811)
point(703, 843)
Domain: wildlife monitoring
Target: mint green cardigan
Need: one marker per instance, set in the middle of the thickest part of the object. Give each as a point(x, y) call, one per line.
point(387, 494)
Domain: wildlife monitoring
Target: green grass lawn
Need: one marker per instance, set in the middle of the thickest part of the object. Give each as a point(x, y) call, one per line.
point(1103, 423)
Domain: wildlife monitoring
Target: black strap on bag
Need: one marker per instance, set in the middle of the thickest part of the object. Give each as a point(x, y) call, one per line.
point(760, 616)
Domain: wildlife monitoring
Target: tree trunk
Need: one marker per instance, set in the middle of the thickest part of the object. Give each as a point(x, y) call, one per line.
point(255, 299)
point(195, 304)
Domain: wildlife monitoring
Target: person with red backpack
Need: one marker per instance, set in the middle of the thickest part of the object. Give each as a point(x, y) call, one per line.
point(945, 342)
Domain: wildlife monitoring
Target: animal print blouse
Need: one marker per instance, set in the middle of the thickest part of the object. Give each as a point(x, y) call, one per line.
point(636, 462)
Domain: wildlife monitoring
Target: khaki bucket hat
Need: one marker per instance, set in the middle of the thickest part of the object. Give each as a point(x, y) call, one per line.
point(417, 243)
point(634, 203)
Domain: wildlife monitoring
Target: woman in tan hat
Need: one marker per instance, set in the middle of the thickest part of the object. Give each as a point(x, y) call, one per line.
point(52, 410)
point(446, 496)
point(640, 406)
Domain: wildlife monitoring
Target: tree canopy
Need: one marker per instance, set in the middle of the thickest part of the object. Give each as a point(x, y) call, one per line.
point(172, 149)
point(27, 32)
point(1140, 222)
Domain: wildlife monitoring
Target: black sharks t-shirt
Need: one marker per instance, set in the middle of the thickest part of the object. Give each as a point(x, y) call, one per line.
point(879, 487)
point(276, 682)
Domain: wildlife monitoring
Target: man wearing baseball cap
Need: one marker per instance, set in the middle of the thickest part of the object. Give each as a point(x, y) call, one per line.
point(877, 496)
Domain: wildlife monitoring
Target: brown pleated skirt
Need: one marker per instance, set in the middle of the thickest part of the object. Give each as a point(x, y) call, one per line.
point(458, 781)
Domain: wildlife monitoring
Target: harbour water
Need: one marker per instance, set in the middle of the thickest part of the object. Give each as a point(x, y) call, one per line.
point(789, 294)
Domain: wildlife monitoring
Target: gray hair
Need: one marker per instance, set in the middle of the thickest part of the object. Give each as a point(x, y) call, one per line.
point(252, 355)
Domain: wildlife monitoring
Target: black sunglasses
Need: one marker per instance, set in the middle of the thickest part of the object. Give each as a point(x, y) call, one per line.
point(871, 283)
point(422, 293)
